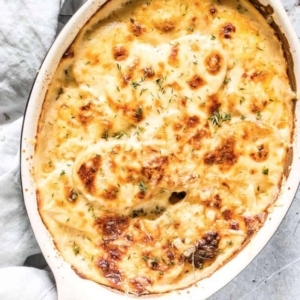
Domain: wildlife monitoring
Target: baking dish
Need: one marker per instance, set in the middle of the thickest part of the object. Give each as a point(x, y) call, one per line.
point(71, 286)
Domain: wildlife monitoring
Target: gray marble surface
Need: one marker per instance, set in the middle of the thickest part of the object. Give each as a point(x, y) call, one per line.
point(275, 273)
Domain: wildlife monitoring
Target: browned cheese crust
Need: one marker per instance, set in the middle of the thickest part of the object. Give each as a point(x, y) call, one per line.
point(162, 141)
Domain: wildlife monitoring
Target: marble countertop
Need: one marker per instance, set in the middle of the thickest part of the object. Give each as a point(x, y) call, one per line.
point(275, 273)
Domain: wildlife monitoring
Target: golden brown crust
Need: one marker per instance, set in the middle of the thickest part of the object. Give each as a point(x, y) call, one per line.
point(162, 141)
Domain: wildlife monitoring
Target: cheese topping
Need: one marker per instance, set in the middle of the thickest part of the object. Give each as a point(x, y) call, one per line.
point(162, 141)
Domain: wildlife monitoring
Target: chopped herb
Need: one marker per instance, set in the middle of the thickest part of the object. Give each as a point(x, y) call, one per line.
point(145, 258)
point(258, 115)
point(242, 100)
point(135, 84)
point(105, 135)
point(60, 91)
point(219, 117)
point(186, 9)
point(139, 112)
point(142, 187)
point(265, 171)
point(142, 91)
point(118, 135)
point(132, 20)
point(158, 210)
point(243, 117)
point(227, 80)
point(138, 213)
point(62, 173)
point(159, 82)
point(212, 37)
point(76, 249)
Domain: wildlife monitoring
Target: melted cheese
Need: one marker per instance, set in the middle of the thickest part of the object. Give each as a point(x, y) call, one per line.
point(162, 141)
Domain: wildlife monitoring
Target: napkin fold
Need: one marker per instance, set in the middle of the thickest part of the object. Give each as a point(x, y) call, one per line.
point(27, 30)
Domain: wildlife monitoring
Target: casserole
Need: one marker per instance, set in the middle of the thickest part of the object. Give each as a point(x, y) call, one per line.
point(255, 244)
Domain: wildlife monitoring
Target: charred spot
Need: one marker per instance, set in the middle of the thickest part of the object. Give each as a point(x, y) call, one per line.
point(126, 79)
point(148, 72)
point(261, 154)
point(165, 25)
point(85, 115)
point(256, 76)
point(227, 214)
point(196, 82)
point(225, 184)
point(170, 255)
point(255, 108)
point(113, 251)
point(234, 225)
point(177, 126)
point(86, 107)
point(87, 172)
point(113, 225)
point(154, 265)
point(120, 53)
point(110, 193)
point(148, 238)
point(110, 271)
point(206, 249)
point(213, 103)
point(154, 170)
point(69, 52)
point(72, 195)
point(129, 237)
point(176, 224)
point(217, 201)
point(213, 63)
point(137, 225)
point(183, 101)
point(196, 140)
point(173, 58)
point(227, 30)
point(176, 197)
point(137, 28)
point(138, 115)
point(141, 195)
point(139, 284)
point(253, 223)
point(192, 121)
point(223, 155)
point(212, 10)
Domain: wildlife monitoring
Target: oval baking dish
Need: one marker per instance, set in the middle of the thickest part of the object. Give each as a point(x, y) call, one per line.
point(69, 284)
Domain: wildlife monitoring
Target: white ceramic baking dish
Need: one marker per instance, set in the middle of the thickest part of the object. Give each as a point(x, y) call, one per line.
point(70, 286)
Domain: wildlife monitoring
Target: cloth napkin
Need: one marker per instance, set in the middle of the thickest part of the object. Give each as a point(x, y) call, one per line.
point(27, 29)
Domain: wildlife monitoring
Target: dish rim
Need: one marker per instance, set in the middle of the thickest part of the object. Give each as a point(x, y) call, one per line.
point(69, 284)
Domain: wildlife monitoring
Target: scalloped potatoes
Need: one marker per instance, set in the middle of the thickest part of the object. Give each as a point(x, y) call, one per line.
point(162, 141)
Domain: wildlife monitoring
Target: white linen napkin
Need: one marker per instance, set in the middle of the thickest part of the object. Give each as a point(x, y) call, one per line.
point(27, 30)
